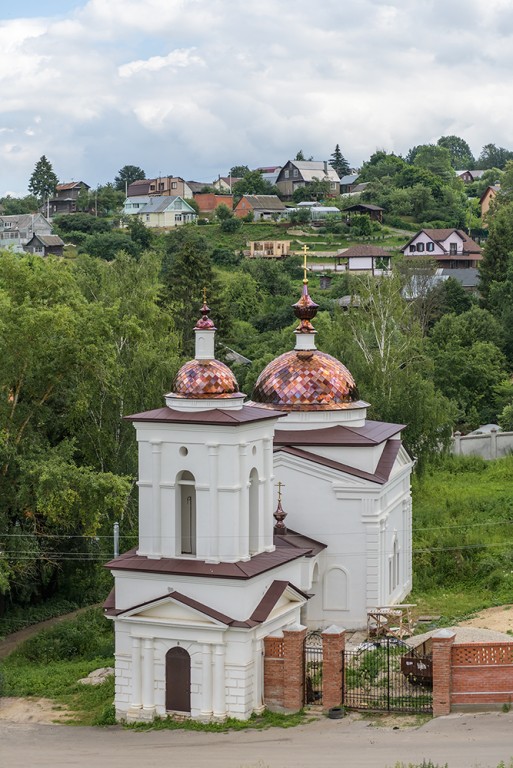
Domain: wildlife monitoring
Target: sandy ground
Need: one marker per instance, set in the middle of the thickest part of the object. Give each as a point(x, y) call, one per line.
point(499, 619)
point(32, 710)
point(45, 711)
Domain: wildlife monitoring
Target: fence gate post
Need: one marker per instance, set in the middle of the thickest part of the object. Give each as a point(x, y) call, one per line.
point(333, 647)
point(442, 648)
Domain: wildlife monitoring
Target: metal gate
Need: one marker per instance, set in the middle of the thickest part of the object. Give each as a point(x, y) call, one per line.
point(383, 676)
point(313, 668)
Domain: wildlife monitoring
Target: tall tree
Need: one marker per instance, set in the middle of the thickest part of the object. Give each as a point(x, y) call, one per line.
point(493, 157)
point(238, 171)
point(461, 154)
point(498, 251)
point(126, 175)
point(435, 159)
point(43, 181)
point(339, 163)
point(186, 270)
point(382, 345)
point(253, 183)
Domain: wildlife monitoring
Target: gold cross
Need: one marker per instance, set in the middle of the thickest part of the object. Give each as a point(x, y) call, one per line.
point(305, 268)
point(279, 486)
point(204, 295)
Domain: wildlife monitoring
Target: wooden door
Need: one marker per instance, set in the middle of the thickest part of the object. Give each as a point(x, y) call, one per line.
point(178, 680)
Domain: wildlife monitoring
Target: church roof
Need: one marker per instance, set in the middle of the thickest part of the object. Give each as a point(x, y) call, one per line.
point(372, 433)
point(261, 563)
point(213, 416)
point(259, 615)
point(380, 476)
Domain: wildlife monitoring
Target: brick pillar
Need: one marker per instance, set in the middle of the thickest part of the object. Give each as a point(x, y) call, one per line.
point(293, 667)
point(442, 647)
point(333, 646)
point(273, 671)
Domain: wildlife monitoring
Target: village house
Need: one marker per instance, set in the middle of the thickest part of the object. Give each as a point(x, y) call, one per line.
point(45, 245)
point(301, 173)
point(369, 259)
point(262, 207)
point(17, 230)
point(486, 198)
point(268, 249)
point(257, 519)
point(160, 211)
point(469, 176)
point(171, 186)
point(375, 212)
point(452, 248)
point(65, 198)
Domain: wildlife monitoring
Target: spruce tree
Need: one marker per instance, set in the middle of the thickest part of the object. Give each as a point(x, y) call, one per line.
point(43, 180)
point(339, 163)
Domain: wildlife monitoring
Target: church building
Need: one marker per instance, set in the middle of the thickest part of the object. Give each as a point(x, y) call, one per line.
point(255, 517)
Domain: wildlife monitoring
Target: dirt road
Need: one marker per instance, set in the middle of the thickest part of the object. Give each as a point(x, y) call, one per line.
point(463, 741)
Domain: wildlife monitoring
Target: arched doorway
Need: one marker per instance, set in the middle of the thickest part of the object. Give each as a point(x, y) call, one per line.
point(178, 680)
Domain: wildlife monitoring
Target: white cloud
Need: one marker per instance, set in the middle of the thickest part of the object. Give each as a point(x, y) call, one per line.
point(195, 86)
point(175, 60)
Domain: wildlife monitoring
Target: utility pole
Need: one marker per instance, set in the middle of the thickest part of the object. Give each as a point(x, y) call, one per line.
point(116, 539)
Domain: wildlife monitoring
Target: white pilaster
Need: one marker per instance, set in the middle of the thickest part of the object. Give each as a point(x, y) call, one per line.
point(258, 688)
point(268, 495)
point(219, 693)
point(206, 698)
point(156, 533)
point(148, 676)
point(244, 502)
point(136, 674)
point(213, 463)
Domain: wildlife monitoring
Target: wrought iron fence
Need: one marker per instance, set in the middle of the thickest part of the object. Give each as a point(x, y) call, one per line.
point(313, 668)
point(387, 676)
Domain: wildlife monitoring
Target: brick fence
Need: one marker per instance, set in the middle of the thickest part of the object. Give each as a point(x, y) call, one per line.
point(284, 671)
point(470, 675)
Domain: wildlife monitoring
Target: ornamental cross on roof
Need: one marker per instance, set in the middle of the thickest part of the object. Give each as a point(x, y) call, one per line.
point(280, 514)
point(305, 266)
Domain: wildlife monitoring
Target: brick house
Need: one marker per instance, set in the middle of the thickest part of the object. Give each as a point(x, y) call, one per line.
point(263, 207)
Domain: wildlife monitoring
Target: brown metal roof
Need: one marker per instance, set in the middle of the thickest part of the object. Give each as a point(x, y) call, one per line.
point(380, 476)
point(364, 250)
point(258, 616)
point(373, 433)
point(265, 561)
point(213, 416)
point(298, 540)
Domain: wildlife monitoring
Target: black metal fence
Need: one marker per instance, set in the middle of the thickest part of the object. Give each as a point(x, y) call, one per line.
point(313, 668)
point(387, 676)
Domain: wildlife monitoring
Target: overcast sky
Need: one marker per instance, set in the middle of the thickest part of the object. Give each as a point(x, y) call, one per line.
point(193, 87)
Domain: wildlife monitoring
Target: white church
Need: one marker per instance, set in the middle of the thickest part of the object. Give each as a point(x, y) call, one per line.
point(254, 517)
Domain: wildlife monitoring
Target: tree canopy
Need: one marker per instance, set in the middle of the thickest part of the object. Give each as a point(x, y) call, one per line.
point(126, 175)
point(43, 181)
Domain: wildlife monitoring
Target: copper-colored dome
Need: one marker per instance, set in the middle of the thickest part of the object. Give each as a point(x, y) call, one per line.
point(305, 381)
point(205, 378)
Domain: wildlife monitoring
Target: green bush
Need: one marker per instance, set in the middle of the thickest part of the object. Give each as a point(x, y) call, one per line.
point(87, 636)
point(25, 616)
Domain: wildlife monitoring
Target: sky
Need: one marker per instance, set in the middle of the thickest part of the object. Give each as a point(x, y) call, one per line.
point(193, 87)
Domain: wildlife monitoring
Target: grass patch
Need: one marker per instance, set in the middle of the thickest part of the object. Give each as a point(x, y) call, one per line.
point(24, 616)
point(266, 720)
point(463, 536)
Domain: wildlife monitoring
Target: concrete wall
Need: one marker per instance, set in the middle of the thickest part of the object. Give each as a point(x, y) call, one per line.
point(494, 445)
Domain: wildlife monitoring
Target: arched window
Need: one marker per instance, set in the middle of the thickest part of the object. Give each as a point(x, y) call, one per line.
point(336, 590)
point(254, 512)
point(187, 513)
